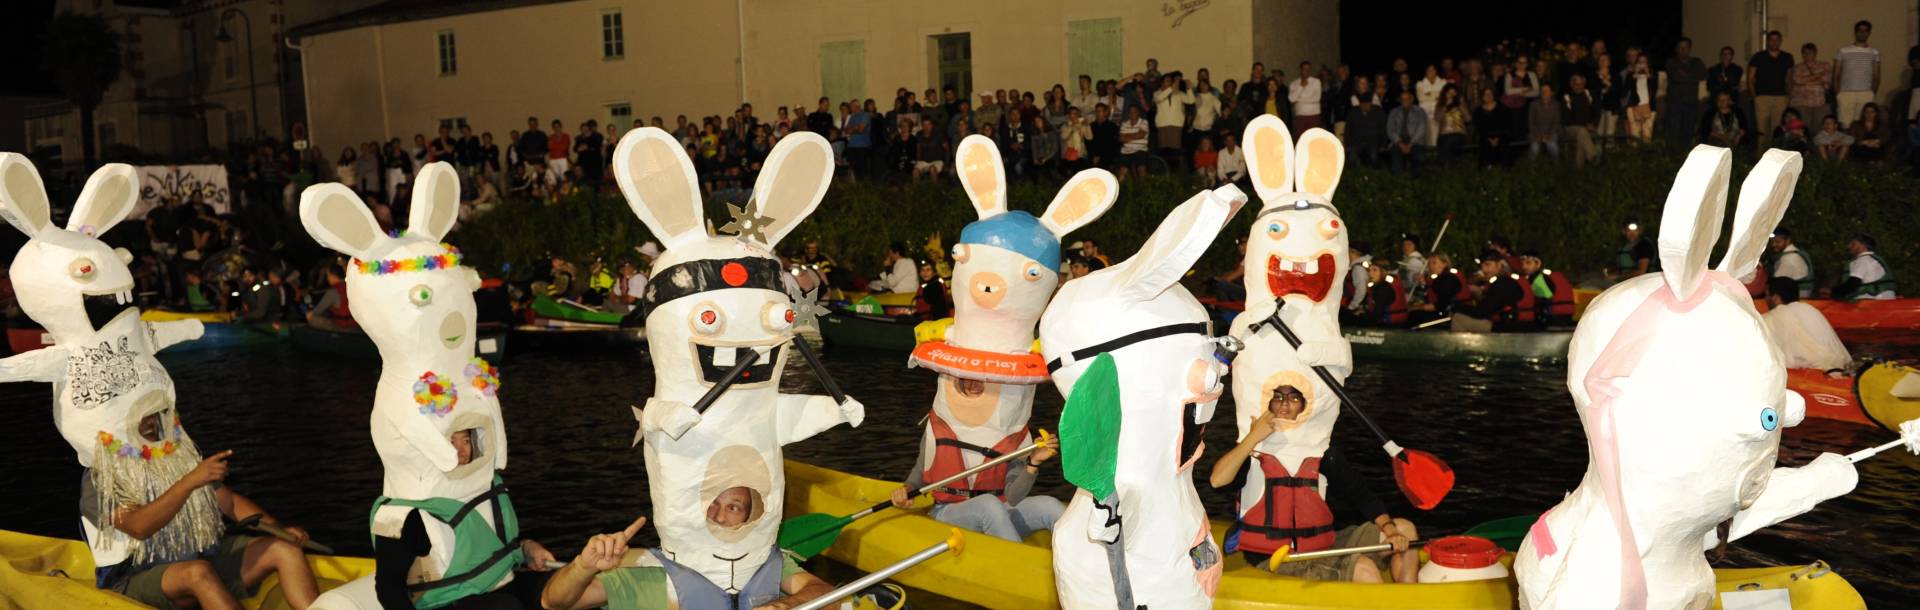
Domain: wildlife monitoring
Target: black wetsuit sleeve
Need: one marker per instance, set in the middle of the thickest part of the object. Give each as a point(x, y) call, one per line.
point(393, 558)
point(1846, 287)
point(1347, 493)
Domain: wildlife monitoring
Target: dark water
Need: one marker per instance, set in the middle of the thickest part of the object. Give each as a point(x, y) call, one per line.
point(298, 426)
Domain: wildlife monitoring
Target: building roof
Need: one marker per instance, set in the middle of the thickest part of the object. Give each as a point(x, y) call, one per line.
point(401, 11)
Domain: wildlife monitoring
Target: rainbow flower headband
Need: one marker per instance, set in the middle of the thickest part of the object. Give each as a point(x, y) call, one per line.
point(419, 263)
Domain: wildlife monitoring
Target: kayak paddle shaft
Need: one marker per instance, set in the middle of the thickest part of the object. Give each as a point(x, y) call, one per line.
point(255, 523)
point(955, 543)
point(819, 370)
point(726, 381)
point(930, 487)
point(1273, 320)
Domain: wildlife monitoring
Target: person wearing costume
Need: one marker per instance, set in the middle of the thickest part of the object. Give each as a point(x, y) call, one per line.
point(150, 504)
point(1552, 292)
point(1788, 261)
point(610, 575)
point(444, 530)
point(1805, 338)
point(1005, 269)
point(1868, 276)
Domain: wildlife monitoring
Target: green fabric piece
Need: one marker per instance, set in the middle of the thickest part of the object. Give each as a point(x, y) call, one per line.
point(475, 541)
point(1541, 287)
point(635, 588)
point(1090, 428)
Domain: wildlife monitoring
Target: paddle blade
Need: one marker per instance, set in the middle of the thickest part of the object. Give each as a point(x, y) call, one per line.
point(1506, 532)
point(1422, 477)
point(811, 534)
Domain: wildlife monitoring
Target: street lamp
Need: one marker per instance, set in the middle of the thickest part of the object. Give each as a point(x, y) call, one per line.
point(253, 87)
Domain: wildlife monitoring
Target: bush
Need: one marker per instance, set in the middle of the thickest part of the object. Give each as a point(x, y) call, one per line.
point(1570, 215)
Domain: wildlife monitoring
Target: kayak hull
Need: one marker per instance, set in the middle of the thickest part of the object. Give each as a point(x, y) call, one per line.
point(1448, 346)
point(1828, 397)
point(999, 574)
point(546, 307)
point(1874, 388)
point(42, 572)
point(847, 329)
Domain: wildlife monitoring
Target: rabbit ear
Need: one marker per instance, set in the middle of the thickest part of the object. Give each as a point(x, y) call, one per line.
point(108, 198)
point(336, 218)
point(436, 201)
point(23, 198)
point(792, 182)
point(1763, 202)
point(978, 163)
point(1690, 222)
point(1178, 242)
point(1269, 148)
point(1085, 197)
point(1322, 159)
point(658, 180)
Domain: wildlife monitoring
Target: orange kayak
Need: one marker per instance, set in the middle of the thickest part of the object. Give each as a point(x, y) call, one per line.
point(1828, 397)
point(1895, 314)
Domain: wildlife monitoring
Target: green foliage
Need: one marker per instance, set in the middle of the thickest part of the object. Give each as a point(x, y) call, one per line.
point(1572, 216)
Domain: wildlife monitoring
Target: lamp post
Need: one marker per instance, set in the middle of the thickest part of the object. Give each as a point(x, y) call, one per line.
point(253, 86)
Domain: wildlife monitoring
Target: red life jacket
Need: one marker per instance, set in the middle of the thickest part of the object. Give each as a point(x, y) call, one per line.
point(1561, 306)
point(1290, 512)
point(340, 314)
point(948, 461)
point(1397, 311)
point(1466, 289)
point(1522, 310)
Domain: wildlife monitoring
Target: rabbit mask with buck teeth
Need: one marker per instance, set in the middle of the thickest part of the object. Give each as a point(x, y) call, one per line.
point(1682, 396)
point(114, 402)
point(1139, 406)
point(711, 302)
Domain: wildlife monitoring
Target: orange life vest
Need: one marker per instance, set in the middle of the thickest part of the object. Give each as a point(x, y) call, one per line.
point(1522, 310)
point(1290, 512)
point(1397, 311)
point(1561, 306)
point(948, 461)
point(341, 314)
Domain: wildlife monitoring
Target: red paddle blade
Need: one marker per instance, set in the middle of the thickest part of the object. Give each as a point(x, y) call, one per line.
point(1422, 477)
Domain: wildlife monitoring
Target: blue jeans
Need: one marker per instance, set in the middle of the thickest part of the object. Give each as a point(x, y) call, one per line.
point(990, 515)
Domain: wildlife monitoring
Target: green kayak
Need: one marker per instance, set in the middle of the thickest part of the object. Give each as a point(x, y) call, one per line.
point(844, 328)
point(1448, 346)
point(546, 307)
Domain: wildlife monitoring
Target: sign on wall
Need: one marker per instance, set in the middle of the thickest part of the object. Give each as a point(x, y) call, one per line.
point(185, 182)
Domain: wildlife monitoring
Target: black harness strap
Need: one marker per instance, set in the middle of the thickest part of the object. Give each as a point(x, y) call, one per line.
point(491, 493)
point(496, 557)
point(1200, 328)
point(954, 442)
point(1288, 532)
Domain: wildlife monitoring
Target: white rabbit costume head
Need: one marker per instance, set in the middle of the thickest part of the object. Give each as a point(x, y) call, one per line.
point(1131, 350)
point(114, 402)
point(1005, 270)
point(414, 299)
point(1683, 399)
point(1296, 254)
point(711, 302)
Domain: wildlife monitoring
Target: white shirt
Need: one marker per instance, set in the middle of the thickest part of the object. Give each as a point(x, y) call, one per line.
point(1854, 67)
point(1792, 264)
point(1085, 102)
point(1136, 126)
point(1206, 109)
point(903, 277)
point(1305, 96)
point(1232, 164)
point(1357, 282)
point(1169, 107)
point(1805, 338)
point(1412, 266)
point(1428, 93)
point(1869, 271)
point(636, 285)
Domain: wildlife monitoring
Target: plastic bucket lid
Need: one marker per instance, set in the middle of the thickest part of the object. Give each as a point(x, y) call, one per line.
point(1464, 552)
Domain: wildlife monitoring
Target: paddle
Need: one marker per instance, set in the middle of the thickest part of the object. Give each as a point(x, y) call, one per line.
point(726, 381)
point(819, 370)
point(254, 523)
point(1422, 477)
point(956, 543)
point(1505, 532)
point(810, 534)
point(1442, 233)
point(1909, 436)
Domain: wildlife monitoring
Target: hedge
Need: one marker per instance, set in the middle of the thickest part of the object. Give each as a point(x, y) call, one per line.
point(1570, 215)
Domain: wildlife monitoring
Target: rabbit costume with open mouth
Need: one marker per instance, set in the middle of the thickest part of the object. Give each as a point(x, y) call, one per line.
point(412, 296)
point(1133, 353)
point(1005, 270)
point(113, 401)
point(1683, 399)
point(716, 305)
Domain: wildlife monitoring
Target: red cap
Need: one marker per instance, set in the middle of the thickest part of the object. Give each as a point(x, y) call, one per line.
point(1464, 552)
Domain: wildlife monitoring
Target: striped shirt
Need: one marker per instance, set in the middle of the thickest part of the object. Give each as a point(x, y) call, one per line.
point(1856, 65)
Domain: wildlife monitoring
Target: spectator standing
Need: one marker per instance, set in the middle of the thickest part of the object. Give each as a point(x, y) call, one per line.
point(929, 151)
point(1472, 81)
point(1086, 97)
point(366, 168)
point(1406, 131)
point(1493, 129)
point(1206, 109)
point(1427, 92)
point(1767, 84)
point(1582, 119)
point(1366, 129)
point(1334, 104)
point(1170, 116)
point(1726, 77)
point(1810, 79)
point(467, 151)
point(988, 112)
point(1075, 136)
point(559, 145)
point(1856, 74)
point(443, 147)
point(1044, 143)
point(1913, 98)
point(590, 149)
point(1304, 95)
point(820, 121)
point(1133, 143)
point(859, 132)
point(533, 144)
point(1685, 76)
point(1639, 86)
point(418, 153)
point(1105, 141)
point(1543, 124)
point(343, 169)
point(1451, 123)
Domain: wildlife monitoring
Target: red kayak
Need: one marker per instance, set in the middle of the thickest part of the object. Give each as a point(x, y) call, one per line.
point(1828, 397)
point(1894, 314)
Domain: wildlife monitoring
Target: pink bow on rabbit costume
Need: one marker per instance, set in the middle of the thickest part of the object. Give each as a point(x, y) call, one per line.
point(1683, 398)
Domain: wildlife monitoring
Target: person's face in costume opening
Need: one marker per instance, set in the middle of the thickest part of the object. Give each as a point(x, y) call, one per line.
point(1287, 403)
point(463, 445)
point(731, 508)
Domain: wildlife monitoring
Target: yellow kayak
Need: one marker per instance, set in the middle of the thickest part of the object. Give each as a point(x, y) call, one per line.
point(162, 315)
point(41, 572)
point(999, 574)
point(1884, 398)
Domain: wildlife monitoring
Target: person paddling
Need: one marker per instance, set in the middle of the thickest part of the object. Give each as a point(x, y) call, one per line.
point(1502, 304)
point(1636, 256)
point(1318, 504)
point(995, 501)
point(1787, 260)
point(1446, 288)
point(1552, 292)
point(398, 560)
point(1386, 302)
point(609, 574)
point(1868, 276)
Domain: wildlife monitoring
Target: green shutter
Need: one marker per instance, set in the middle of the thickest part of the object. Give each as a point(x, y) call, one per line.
point(843, 70)
point(1093, 48)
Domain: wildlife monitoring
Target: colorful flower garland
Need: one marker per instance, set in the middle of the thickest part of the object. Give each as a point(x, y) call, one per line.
point(430, 262)
point(485, 376)
point(436, 397)
point(145, 451)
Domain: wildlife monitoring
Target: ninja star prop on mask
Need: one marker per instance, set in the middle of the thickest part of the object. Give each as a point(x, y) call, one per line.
point(807, 309)
point(747, 223)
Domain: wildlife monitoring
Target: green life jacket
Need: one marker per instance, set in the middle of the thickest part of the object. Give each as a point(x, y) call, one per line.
point(197, 299)
point(482, 555)
point(1625, 262)
point(1805, 282)
point(1884, 284)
